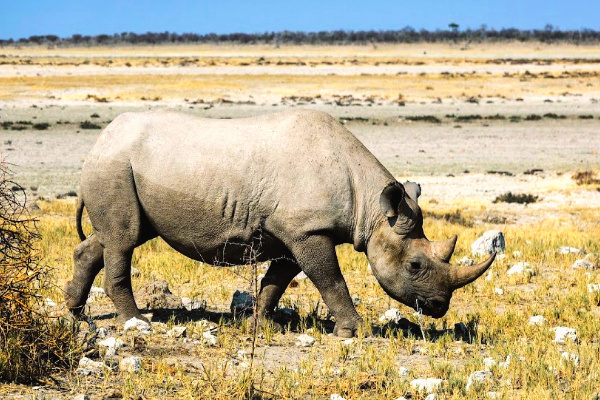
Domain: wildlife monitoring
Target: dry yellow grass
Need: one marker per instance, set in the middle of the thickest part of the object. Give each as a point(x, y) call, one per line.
point(369, 367)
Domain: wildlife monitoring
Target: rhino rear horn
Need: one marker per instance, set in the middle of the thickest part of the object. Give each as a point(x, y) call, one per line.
point(444, 248)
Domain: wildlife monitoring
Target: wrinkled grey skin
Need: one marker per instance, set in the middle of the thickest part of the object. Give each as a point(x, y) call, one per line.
point(286, 187)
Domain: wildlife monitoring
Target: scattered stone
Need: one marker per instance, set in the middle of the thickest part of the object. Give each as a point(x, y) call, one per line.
point(428, 385)
point(431, 396)
point(537, 320)
point(177, 332)
point(209, 338)
point(593, 287)
point(562, 333)
point(466, 261)
point(506, 362)
point(500, 256)
point(494, 395)
point(348, 342)
point(568, 250)
point(489, 363)
point(499, 291)
point(156, 295)
point(137, 324)
point(112, 345)
point(301, 276)
point(490, 242)
point(193, 304)
point(356, 300)
point(574, 358)
point(96, 293)
point(403, 371)
point(336, 396)
point(392, 315)
point(135, 272)
point(242, 303)
point(305, 340)
point(521, 267)
point(81, 397)
point(583, 264)
point(49, 303)
point(481, 377)
point(88, 367)
point(491, 275)
point(130, 364)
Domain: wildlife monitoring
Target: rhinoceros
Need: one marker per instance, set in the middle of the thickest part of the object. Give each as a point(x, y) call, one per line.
point(286, 187)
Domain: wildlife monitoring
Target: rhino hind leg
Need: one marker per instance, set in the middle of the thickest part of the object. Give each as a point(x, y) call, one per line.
point(276, 280)
point(87, 263)
point(316, 257)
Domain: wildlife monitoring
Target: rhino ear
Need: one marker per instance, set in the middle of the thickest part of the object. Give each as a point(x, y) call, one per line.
point(390, 199)
point(413, 190)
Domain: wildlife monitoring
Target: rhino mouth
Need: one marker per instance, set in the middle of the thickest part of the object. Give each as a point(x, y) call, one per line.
point(433, 307)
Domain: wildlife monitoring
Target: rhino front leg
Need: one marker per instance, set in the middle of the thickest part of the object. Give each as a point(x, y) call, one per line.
point(87, 263)
point(117, 282)
point(316, 257)
point(276, 280)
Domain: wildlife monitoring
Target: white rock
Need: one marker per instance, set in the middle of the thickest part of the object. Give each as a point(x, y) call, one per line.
point(49, 303)
point(574, 358)
point(568, 250)
point(348, 342)
point(403, 371)
point(88, 367)
point(479, 377)
point(498, 291)
point(537, 320)
point(209, 338)
point(242, 302)
point(431, 396)
point(500, 256)
point(305, 340)
point(135, 272)
point(391, 315)
point(301, 276)
point(177, 332)
point(336, 396)
point(593, 287)
point(192, 304)
point(562, 333)
point(521, 267)
point(491, 275)
point(490, 242)
point(137, 324)
point(401, 398)
point(96, 293)
point(489, 363)
point(428, 385)
point(112, 345)
point(466, 261)
point(81, 397)
point(494, 395)
point(583, 264)
point(130, 364)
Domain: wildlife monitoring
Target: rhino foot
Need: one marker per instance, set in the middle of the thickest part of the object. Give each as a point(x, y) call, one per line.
point(74, 300)
point(347, 328)
point(263, 323)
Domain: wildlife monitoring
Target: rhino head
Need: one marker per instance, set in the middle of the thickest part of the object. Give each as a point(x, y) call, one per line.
point(409, 267)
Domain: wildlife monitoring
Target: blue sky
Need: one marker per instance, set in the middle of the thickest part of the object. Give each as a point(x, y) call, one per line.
point(65, 17)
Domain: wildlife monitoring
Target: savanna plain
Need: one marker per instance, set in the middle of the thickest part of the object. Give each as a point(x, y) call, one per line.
point(501, 136)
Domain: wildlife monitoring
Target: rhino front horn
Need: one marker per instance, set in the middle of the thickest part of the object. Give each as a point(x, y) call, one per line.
point(465, 275)
point(444, 248)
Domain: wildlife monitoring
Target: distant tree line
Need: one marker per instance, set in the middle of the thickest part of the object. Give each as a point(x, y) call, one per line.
point(549, 34)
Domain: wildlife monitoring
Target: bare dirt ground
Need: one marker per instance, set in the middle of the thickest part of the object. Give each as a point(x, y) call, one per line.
point(469, 124)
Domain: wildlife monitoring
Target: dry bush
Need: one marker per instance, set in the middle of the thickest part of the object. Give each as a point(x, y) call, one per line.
point(34, 344)
point(585, 178)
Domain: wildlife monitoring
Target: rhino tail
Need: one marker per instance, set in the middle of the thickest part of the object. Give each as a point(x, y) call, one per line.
point(78, 216)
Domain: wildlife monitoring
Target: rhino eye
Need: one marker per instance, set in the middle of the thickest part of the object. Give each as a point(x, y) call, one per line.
point(415, 266)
